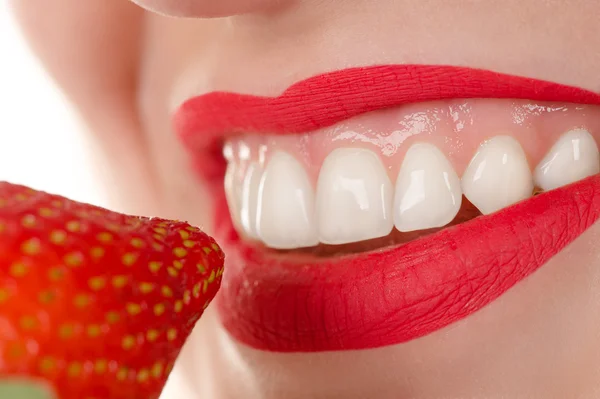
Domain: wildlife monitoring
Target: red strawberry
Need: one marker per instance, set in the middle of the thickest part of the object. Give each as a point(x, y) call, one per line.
point(95, 303)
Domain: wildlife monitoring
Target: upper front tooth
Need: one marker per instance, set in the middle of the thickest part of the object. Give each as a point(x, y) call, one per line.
point(573, 157)
point(354, 197)
point(498, 175)
point(428, 192)
point(249, 203)
point(233, 193)
point(286, 204)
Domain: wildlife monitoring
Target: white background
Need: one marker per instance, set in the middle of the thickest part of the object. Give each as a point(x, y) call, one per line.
point(41, 143)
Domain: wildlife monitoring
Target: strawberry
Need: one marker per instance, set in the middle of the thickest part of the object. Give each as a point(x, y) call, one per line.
point(96, 304)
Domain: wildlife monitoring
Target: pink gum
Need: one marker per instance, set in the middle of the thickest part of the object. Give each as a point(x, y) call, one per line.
point(457, 127)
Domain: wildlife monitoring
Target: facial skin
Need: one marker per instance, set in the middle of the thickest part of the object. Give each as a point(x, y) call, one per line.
point(126, 69)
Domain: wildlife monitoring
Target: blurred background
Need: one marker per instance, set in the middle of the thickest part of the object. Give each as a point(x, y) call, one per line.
point(42, 143)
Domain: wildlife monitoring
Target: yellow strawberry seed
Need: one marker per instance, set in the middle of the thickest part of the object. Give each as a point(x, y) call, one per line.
point(119, 281)
point(146, 288)
point(187, 297)
point(160, 230)
point(112, 317)
point(58, 237)
point(47, 297)
point(157, 370)
point(16, 350)
point(74, 369)
point(152, 335)
point(172, 271)
point(179, 252)
point(28, 221)
point(143, 375)
point(159, 309)
point(101, 366)
point(47, 212)
point(129, 258)
point(66, 331)
point(3, 295)
point(166, 291)
point(73, 226)
point(55, 273)
point(128, 342)
point(137, 242)
point(133, 308)
point(31, 246)
point(81, 300)
point(94, 330)
point(212, 276)
point(122, 374)
point(171, 334)
point(18, 269)
point(73, 259)
point(157, 247)
point(47, 364)
point(97, 283)
point(178, 306)
point(154, 266)
point(28, 323)
point(105, 237)
point(97, 252)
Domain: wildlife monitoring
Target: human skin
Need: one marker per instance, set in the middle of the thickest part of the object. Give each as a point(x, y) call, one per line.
point(126, 69)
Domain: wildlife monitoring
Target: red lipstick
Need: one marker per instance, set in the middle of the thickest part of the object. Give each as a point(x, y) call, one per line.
point(330, 98)
point(288, 303)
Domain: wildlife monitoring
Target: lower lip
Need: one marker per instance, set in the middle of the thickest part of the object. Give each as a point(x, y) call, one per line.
point(286, 304)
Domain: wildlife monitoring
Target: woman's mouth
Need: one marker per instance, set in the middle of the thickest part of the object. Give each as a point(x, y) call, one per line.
point(372, 206)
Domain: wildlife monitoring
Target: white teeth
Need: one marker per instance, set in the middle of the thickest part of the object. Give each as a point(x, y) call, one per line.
point(233, 193)
point(498, 175)
point(355, 200)
point(428, 192)
point(573, 157)
point(286, 204)
point(354, 197)
point(249, 203)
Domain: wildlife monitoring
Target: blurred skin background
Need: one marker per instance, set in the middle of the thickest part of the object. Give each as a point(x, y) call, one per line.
point(34, 116)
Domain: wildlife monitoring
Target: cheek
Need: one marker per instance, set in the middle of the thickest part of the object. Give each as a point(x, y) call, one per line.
point(166, 50)
point(208, 8)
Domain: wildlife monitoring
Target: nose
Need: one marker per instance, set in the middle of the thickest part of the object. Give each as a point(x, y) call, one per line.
point(208, 8)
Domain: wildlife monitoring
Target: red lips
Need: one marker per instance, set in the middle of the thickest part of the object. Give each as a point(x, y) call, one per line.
point(288, 303)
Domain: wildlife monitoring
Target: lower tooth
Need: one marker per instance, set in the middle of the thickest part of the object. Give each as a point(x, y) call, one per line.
point(285, 218)
point(498, 175)
point(573, 157)
point(428, 192)
point(354, 197)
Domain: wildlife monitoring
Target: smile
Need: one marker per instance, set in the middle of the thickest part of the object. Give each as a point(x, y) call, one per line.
point(371, 206)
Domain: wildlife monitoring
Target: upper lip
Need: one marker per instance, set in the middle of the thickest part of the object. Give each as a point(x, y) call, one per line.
point(329, 98)
point(392, 295)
